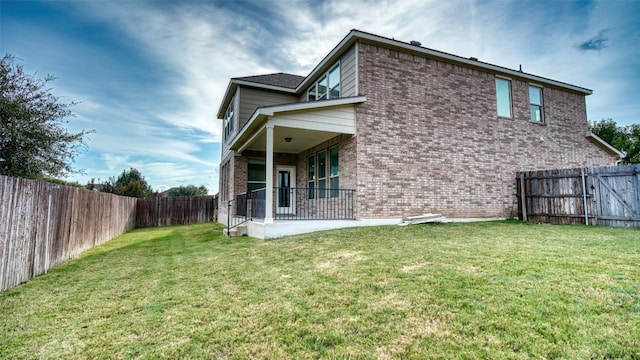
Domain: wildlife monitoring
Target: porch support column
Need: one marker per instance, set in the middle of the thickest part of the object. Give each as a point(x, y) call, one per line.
point(268, 215)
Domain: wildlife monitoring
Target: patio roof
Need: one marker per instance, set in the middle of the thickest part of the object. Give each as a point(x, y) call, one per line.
point(298, 126)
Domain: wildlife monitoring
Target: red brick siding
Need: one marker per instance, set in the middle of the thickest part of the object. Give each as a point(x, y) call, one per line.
point(429, 138)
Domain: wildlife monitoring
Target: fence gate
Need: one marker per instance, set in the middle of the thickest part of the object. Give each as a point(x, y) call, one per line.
point(608, 196)
point(616, 191)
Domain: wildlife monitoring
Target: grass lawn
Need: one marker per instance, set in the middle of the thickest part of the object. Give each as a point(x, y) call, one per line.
point(485, 290)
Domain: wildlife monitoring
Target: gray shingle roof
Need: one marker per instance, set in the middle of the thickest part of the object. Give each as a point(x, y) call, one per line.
point(278, 79)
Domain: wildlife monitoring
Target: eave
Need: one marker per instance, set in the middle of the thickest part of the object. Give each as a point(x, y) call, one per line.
point(255, 126)
point(357, 35)
point(605, 145)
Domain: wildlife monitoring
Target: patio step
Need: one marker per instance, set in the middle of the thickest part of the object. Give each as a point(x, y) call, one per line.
point(240, 230)
point(422, 219)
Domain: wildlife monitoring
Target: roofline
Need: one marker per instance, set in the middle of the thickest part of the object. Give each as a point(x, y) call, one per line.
point(605, 145)
point(356, 35)
point(235, 82)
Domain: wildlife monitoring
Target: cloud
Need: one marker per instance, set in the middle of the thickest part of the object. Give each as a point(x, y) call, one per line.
point(596, 43)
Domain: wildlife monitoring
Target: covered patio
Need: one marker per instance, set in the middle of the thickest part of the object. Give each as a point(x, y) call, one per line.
point(286, 131)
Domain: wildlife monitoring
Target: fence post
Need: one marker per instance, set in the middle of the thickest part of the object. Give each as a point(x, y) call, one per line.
point(523, 198)
point(584, 197)
point(46, 244)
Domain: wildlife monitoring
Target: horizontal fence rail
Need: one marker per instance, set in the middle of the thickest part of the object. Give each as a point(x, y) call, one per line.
point(608, 196)
point(44, 224)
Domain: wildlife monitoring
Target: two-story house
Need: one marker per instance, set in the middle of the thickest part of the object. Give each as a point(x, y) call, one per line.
point(383, 129)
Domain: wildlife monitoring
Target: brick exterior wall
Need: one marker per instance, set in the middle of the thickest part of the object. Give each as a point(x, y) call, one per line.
point(429, 139)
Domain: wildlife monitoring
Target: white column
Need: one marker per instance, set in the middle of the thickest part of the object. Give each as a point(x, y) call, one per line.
point(268, 215)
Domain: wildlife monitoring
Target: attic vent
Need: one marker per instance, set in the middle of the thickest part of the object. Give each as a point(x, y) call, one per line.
point(415, 43)
point(473, 58)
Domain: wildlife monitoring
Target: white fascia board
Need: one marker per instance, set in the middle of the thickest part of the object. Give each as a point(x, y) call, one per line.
point(265, 112)
point(264, 86)
point(605, 145)
point(226, 99)
point(308, 105)
point(251, 123)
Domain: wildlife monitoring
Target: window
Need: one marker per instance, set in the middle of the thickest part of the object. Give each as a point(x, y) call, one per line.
point(256, 174)
point(327, 86)
point(334, 172)
point(322, 87)
point(323, 173)
point(503, 97)
point(535, 104)
point(311, 175)
point(311, 93)
point(228, 117)
point(224, 181)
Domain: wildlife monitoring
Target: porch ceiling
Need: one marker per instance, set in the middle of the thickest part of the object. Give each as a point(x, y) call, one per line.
point(301, 140)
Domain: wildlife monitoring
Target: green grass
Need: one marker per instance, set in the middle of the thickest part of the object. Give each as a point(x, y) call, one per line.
point(485, 290)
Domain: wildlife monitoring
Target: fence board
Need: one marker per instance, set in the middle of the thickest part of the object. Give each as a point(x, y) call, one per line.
point(178, 210)
point(44, 224)
point(608, 196)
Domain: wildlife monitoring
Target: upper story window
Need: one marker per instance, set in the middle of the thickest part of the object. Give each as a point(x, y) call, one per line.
point(228, 117)
point(535, 104)
point(327, 86)
point(503, 97)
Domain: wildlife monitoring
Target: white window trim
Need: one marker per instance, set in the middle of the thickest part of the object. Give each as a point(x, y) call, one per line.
point(542, 117)
point(229, 123)
point(326, 73)
point(510, 96)
point(327, 173)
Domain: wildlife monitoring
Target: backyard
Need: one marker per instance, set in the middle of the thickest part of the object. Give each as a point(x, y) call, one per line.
point(478, 290)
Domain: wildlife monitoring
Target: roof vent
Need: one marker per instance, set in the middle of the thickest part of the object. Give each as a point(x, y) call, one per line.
point(473, 58)
point(415, 43)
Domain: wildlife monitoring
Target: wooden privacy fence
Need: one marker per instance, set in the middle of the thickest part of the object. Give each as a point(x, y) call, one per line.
point(44, 224)
point(179, 210)
point(608, 196)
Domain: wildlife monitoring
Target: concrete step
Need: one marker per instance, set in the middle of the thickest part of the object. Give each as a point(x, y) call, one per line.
point(422, 219)
point(240, 230)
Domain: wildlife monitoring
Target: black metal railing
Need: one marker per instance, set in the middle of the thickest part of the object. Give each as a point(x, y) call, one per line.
point(314, 204)
point(237, 211)
point(293, 204)
point(258, 203)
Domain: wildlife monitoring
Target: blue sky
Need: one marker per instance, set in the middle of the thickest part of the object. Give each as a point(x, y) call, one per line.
point(150, 75)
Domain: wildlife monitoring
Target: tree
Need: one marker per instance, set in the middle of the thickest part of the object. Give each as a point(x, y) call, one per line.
point(189, 190)
point(34, 142)
point(129, 183)
point(625, 138)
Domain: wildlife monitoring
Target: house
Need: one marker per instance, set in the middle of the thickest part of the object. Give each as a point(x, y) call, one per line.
point(383, 129)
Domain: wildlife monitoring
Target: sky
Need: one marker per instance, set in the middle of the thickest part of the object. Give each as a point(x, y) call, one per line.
point(149, 76)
